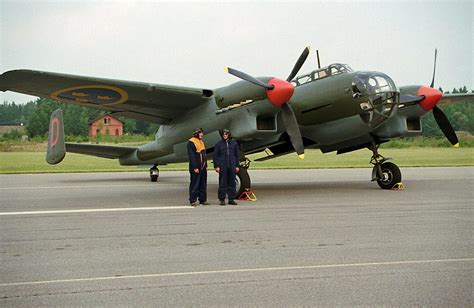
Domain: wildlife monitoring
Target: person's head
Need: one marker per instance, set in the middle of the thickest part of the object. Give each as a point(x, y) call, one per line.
point(225, 134)
point(198, 133)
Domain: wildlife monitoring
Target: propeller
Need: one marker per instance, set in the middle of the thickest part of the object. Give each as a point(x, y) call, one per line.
point(428, 98)
point(434, 69)
point(445, 126)
point(279, 93)
point(439, 115)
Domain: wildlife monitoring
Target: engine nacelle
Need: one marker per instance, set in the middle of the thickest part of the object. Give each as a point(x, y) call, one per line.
point(240, 92)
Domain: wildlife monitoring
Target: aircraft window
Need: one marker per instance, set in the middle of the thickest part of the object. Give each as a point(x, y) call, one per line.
point(333, 69)
point(322, 74)
point(381, 94)
point(305, 79)
point(367, 83)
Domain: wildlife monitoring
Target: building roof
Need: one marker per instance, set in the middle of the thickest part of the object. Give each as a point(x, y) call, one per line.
point(103, 116)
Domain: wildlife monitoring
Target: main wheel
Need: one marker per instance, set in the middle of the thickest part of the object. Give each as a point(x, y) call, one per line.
point(391, 175)
point(243, 181)
point(154, 174)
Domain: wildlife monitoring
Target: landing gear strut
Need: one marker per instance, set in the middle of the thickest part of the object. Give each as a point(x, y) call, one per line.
point(154, 173)
point(243, 178)
point(385, 173)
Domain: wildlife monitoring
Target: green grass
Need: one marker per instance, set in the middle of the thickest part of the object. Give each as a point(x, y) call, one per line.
point(34, 162)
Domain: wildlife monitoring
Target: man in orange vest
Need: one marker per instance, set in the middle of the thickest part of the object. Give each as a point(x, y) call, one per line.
point(197, 168)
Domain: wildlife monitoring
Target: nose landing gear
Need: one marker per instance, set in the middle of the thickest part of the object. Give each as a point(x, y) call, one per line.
point(243, 178)
point(386, 174)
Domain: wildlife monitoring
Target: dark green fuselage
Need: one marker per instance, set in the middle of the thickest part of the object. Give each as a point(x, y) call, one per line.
point(340, 111)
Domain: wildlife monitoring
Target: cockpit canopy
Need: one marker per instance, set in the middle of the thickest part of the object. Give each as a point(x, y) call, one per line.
point(331, 70)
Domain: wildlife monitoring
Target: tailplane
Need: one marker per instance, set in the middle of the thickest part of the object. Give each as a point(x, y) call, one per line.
point(56, 145)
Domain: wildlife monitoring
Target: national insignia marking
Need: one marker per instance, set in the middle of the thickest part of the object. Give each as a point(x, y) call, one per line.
point(92, 95)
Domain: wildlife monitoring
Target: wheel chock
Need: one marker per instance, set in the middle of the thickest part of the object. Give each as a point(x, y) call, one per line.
point(398, 186)
point(248, 195)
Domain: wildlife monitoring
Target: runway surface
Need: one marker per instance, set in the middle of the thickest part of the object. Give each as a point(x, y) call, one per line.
point(313, 238)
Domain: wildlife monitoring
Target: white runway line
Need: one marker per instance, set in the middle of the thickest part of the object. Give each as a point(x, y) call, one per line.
point(73, 186)
point(120, 209)
point(231, 271)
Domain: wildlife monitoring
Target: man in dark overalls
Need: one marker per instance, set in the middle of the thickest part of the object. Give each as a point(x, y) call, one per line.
point(226, 163)
point(197, 168)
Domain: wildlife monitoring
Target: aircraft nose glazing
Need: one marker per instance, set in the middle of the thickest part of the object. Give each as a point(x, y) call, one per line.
point(431, 97)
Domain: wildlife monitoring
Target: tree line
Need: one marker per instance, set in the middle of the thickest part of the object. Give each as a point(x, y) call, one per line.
point(35, 117)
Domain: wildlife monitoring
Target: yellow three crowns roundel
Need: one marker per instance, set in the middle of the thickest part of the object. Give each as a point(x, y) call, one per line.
point(92, 95)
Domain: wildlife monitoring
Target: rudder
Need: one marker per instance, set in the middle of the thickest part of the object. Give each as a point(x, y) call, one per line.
point(56, 145)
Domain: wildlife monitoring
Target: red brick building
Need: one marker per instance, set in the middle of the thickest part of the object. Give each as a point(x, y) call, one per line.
point(105, 124)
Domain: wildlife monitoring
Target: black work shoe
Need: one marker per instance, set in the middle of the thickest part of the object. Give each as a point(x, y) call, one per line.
point(204, 203)
point(231, 201)
point(222, 202)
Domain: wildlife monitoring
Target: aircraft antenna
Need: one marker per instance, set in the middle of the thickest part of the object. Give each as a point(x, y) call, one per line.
point(317, 55)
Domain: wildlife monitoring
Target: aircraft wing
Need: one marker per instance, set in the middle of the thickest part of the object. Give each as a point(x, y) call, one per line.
point(143, 101)
point(456, 98)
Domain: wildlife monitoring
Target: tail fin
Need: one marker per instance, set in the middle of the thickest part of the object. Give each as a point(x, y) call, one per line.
point(56, 145)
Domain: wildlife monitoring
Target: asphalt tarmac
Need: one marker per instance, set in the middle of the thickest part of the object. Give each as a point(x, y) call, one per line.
point(313, 238)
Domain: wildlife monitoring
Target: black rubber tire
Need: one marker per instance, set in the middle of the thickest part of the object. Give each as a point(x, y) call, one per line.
point(154, 178)
point(392, 176)
point(243, 181)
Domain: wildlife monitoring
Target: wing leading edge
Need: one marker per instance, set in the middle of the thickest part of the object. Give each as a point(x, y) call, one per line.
point(143, 101)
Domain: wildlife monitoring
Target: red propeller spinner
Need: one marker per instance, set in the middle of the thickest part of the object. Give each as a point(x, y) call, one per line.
point(281, 92)
point(431, 97)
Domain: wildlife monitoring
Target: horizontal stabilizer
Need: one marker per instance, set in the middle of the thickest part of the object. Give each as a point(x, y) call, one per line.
point(106, 151)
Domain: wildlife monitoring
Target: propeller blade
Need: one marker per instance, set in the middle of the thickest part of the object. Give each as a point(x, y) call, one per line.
point(434, 69)
point(293, 129)
point(249, 78)
point(299, 64)
point(445, 126)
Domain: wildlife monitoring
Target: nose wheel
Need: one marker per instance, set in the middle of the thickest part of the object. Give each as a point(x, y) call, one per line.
point(154, 173)
point(387, 174)
point(243, 178)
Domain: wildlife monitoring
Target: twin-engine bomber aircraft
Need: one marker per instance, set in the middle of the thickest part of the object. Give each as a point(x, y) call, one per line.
point(332, 109)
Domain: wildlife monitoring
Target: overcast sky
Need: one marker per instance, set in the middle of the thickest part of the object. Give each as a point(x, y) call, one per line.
point(189, 44)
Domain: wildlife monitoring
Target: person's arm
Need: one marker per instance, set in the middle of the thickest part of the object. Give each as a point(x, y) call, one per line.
point(215, 157)
point(237, 156)
point(192, 157)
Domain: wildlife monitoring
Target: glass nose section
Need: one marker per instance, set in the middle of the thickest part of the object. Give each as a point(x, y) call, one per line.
point(369, 83)
point(376, 94)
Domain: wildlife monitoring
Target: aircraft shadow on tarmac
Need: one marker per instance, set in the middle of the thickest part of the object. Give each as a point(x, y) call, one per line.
point(140, 179)
point(315, 186)
point(275, 187)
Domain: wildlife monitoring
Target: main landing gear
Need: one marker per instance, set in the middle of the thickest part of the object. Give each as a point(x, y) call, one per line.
point(386, 174)
point(154, 173)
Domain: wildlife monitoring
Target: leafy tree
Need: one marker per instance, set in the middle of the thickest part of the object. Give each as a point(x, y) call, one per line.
point(38, 121)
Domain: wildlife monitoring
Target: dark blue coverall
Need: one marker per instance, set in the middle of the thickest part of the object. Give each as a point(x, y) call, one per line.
point(198, 185)
point(226, 157)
